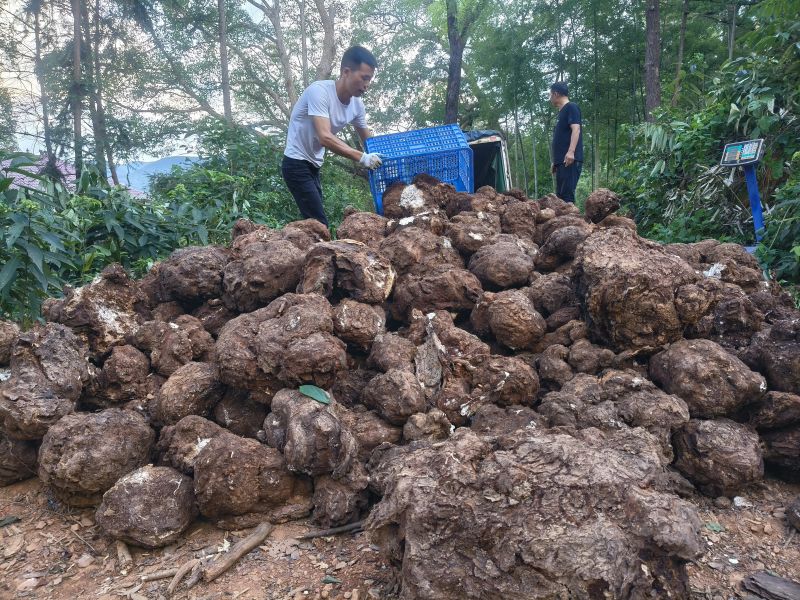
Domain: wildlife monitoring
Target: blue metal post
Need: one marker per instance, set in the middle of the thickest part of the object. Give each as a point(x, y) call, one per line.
point(755, 199)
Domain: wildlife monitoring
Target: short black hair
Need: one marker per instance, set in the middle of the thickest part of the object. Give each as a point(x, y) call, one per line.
point(356, 55)
point(560, 88)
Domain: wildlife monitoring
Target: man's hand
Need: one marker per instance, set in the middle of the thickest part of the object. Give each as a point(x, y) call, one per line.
point(569, 158)
point(553, 168)
point(371, 160)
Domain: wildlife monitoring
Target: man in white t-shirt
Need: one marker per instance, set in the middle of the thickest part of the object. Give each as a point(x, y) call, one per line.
point(322, 111)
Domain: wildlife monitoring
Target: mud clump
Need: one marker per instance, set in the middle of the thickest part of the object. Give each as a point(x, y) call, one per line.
point(83, 455)
point(529, 473)
point(311, 436)
point(9, 333)
point(480, 359)
point(711, 381)
point(103, 313)
point(262, 272)
point(49, 369)
point(17, 460)
point(239, 482)
point(194, 389)
point(628, 289)
point(600, 204)
point(149, 507)
point(719, 456)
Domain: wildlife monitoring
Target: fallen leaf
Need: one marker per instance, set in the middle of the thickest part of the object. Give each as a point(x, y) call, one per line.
point(315, 393)
point(13, 545)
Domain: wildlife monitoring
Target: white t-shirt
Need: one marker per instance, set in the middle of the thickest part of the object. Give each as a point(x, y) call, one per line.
point(320, 100)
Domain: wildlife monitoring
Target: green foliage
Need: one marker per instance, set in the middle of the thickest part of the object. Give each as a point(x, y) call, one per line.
point(780, 248)
point(671, 180)
point(53, 236)
point(239, 176)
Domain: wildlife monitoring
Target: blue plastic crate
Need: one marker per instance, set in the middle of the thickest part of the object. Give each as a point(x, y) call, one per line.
point(441, 152)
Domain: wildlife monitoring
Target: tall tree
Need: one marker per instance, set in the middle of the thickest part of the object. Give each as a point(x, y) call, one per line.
point(458, 30)
point(92, 86)
point(34, 8)
point(652, 61)
point(681, 46)
point(732, 10)
point(77, 86)
point(223, 62)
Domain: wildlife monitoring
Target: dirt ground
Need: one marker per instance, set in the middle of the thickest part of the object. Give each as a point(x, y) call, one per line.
point(58, 553)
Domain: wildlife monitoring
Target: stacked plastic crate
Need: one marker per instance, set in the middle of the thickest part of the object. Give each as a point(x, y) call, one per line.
point(441, 152)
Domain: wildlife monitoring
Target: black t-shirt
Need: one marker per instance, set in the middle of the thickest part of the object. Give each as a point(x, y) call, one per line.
point(569, 114)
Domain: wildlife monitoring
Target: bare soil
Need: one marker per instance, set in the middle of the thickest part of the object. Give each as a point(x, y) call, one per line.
point(57, 553)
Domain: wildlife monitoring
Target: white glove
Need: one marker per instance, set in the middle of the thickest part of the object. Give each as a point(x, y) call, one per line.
point(371, 160)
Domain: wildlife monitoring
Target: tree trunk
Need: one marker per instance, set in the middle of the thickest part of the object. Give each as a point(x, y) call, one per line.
point(521, 149)
point(77, 92)
point(328, 19)
point(92, 44)
point(535, 162)
point(595, 94)
point(39, 68)
point(101, 111)
point(273, 13)
point(681, 45)
point(456, 43)
point(303, 42)
point(652, 59)
point(223, 62)
point(732, 10)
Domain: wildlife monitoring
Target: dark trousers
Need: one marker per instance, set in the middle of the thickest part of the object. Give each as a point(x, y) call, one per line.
point(302, 179)
point(567, 180)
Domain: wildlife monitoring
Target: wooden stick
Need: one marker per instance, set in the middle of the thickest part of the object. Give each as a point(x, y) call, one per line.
point(196, 576)
point(123, 555)
point(217, 567)
point(789, 539)
point(159, 575)
point(180, 573)
point(75, 533)
point(333, 531)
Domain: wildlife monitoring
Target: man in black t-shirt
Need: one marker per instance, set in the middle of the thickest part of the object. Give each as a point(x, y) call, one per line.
point(567, 148)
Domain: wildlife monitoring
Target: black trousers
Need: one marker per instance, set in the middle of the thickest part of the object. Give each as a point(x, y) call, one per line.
point(567, 180)
point(302, 179)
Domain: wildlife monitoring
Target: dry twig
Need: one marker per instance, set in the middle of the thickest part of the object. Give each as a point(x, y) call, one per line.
point(242, 547)
point(75, 533)
point(215, 568)
point(123, 555)
point(180, 573)
point(357, 526)
point(159, 575)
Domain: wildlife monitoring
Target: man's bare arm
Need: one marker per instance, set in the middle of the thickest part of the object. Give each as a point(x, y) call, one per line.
point(569, 158)
point(322, 126)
